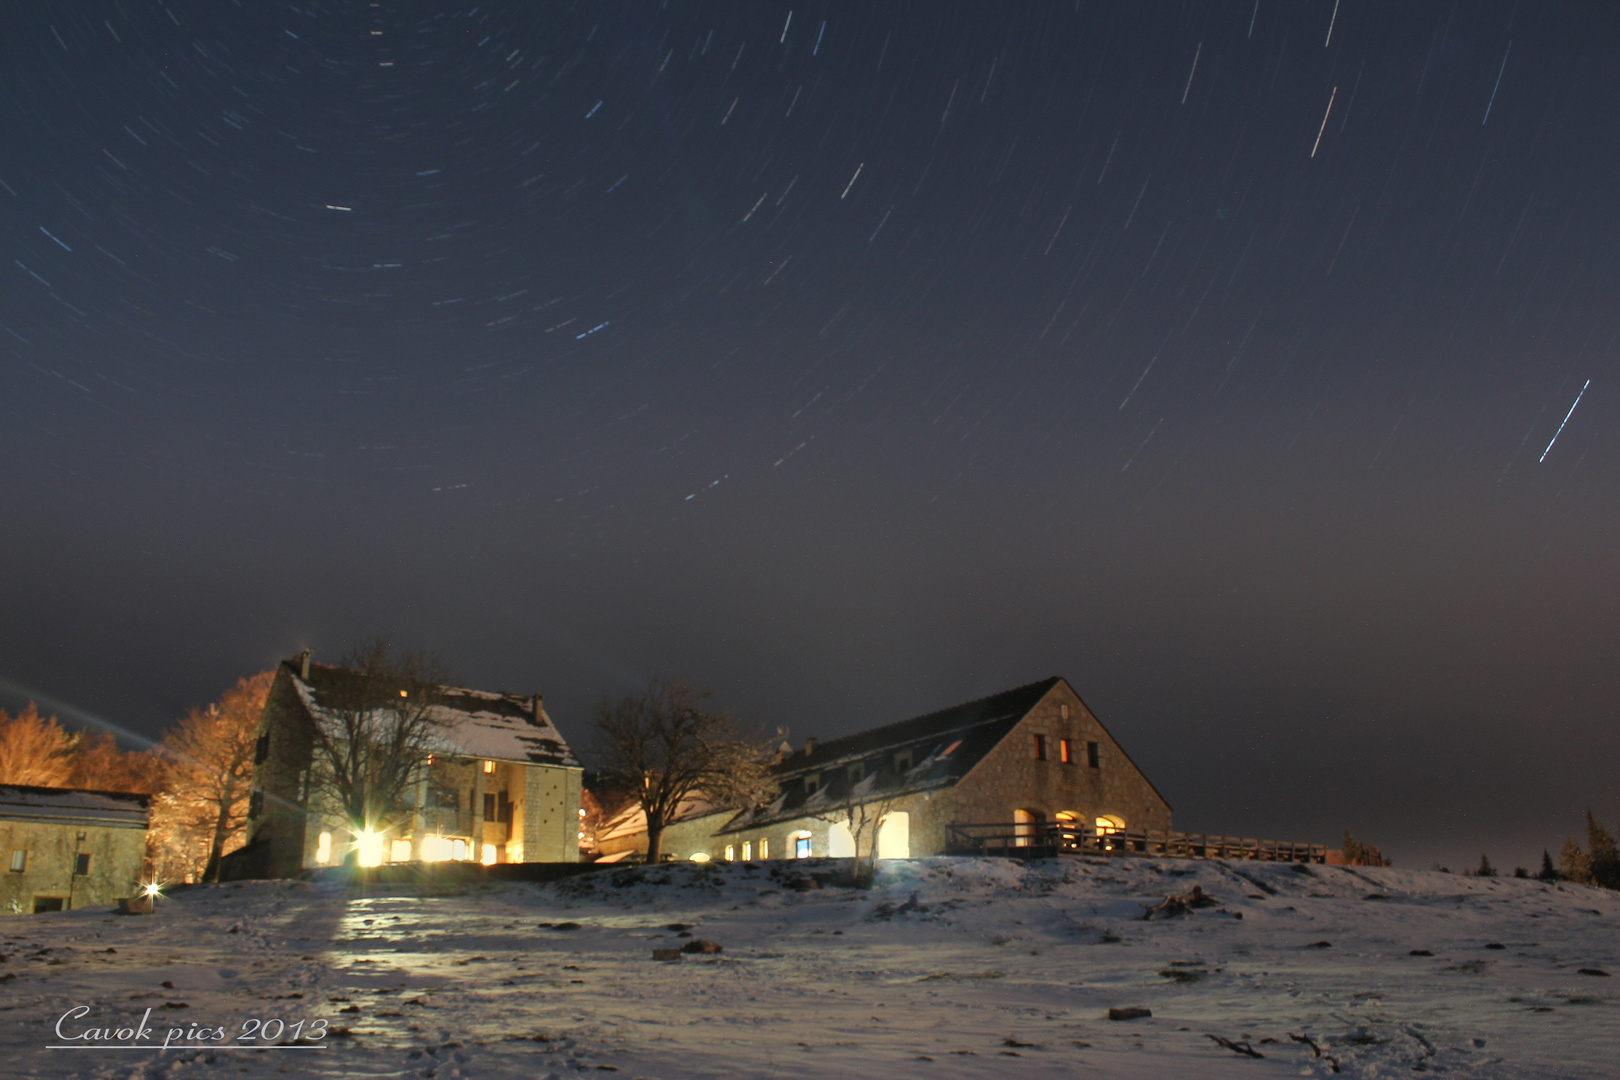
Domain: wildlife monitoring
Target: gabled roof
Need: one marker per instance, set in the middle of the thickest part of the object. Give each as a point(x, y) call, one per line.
point(74, 806)
point(944, 745)
point(473, 723)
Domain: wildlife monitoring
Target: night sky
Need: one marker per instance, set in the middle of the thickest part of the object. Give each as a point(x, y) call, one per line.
point(852, 359)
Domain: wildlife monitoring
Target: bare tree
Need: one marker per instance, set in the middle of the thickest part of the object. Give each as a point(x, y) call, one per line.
point(668, 748)
point(210, 760)
point(376, 724)
point(861, 810)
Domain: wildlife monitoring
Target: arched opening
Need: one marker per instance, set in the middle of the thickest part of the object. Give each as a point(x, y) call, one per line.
point(894, 836)
point(840, 841)
point(1110, 823)
point(1026, 826)
point(799, 844)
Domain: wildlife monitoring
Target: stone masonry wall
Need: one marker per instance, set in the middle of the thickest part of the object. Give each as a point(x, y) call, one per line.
point(52, 848)
point(1011, 778)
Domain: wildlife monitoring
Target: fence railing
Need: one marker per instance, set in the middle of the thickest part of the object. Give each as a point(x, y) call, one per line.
point(1045, 839)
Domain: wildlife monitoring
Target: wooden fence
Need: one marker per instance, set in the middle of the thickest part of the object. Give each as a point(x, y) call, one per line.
point(1047, 839)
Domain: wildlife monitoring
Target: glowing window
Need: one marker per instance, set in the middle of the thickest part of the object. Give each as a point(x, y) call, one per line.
point(764, 848)
point(1065, 815)
point(748, 850)
point(731, 853)
point(951, 748)
point(400, 851)
point(1110, 823)
point(458, 850)
point(840, 841)
point(700, 856)
point(489, 855)
point(435, 849)
point(801, 844)
point(323, 849)
point(1065, 751)
point(489, 766)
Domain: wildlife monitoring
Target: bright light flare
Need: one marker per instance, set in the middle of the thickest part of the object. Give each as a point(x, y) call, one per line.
point(154, 889)
point(369, 848)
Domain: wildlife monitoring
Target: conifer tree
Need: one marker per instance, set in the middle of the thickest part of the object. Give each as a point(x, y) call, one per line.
point(1485, 867)
point(1602, 857)
point(1548, 871)
point(1573, 864)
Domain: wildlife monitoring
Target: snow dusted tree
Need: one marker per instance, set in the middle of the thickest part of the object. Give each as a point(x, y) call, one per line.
point(667, 747)
point(34, 750)
point(378, 723)
point(210, 759)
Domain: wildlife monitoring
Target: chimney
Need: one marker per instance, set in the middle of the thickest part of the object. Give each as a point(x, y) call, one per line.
point(539, 708)
point(303, 665)
point(809, 746)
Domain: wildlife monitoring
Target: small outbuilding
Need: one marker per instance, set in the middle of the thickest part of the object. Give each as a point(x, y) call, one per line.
point(70, 848)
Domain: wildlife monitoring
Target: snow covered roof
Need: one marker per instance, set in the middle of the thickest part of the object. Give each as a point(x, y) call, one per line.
point(473, 723)
point(75, 806)
point(944, 746)
point(632, 820)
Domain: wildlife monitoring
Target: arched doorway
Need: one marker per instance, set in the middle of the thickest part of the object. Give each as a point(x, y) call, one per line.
point(840, 841)
point(1026, 826)
point(894, 836)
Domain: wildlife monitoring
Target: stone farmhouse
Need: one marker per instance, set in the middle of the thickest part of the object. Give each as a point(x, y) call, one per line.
point(1020, 761)
point(69, 848)
point(500, 786)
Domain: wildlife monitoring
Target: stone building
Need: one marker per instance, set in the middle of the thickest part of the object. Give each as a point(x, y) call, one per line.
point(1017, 762)
point(67, 848)
point(500, 785)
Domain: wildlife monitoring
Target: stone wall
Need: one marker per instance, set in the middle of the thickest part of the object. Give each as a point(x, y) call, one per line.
point(549, 813)
point(1010, 777)
point(52, 848)
point(277, 844)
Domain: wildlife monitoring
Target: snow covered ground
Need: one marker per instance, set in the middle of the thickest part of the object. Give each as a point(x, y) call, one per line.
point(947, 968)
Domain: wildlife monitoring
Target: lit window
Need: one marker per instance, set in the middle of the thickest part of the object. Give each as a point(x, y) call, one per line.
point(731, 853)
point(400, 851)
point(1110, 823)
point(489, 855)
point(435, 849)
point(1065, 753)
point(430, 759)
point(19, 861)
point(458, 850)
point(748, 850)
point(489, 766)
point(369, 846)
point(700, 856)
point(764, 849)
point(323, 849)
point(950, 749)
point(801, 844)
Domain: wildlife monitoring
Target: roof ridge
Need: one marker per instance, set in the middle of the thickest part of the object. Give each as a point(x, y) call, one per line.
point(868, 733)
